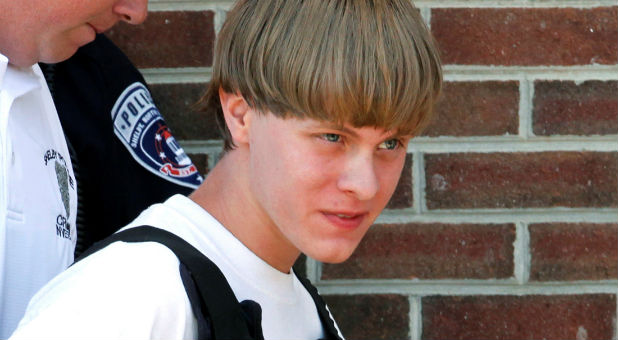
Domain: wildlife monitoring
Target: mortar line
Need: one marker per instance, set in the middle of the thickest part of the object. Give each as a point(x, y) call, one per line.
point(204, 148)
point(220, 15)
point(452, 73)
point(177, 75)
point(463, 287)
point(195, 5)
point(186, 5)
point(318, 270)
point(312, 270)
point(415, 317)
point(522, 253)
point(526, 95)
point(418, 184)
point(426, 15)
point(215, 155)
point(514, 4)
point(484, 144)
point(501, 216)
point(482, 72)
point(515, 144)
point(616, 318)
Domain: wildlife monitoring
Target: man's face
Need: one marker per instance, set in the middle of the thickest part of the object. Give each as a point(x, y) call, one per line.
point(321, 185)
point(52, 30)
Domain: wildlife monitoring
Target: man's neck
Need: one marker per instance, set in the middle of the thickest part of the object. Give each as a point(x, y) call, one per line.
point(226, 195)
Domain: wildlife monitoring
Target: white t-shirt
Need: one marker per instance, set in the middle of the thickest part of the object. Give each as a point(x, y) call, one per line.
point(134, 290)
point(38, 199)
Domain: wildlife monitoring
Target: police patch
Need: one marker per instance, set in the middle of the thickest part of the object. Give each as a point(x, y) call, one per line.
point(141, 128)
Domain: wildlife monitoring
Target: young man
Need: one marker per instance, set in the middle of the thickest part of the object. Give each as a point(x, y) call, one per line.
point(318, 100)
point(37, 184)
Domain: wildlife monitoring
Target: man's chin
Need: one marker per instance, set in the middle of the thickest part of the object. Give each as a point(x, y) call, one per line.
point(22, 59)
point(332, 257)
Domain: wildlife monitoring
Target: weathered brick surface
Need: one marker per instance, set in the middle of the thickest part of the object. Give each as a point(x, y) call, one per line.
point(521, 180)
point(527, 36)
point(201, 162)
point(430, 251)
point(565, 252)
point(168, 39)
point(519, 317)
point(177, 104)
point(370, 316)
point(476, 109)
point(568, 108)
point(403, 196)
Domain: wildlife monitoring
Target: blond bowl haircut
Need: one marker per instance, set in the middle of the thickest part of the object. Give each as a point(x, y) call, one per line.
point(360, 62)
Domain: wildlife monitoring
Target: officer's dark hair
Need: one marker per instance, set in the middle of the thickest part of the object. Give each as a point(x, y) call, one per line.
point(361, 62)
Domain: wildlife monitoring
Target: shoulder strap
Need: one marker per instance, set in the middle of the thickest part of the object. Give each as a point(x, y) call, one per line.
point(220, 302)
point(204, 325)
point(327, 321)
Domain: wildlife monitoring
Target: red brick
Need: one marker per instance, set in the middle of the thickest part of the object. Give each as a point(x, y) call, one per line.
point(519, 317)
point(430, 251)
point(566, 252)
point(371, 316)
point(177, 104)
point(567, 108)
point(403, 195)
point(201, 162)
point(521, 180)
point(168, 39)
point(527, 36)
point(476, 109)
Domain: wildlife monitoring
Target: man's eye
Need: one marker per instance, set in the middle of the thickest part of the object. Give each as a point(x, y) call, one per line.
point(390, 144)
point(331, 137)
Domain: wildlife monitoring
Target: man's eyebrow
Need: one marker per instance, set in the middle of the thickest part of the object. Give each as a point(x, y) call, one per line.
point(345, 130)
point(402, 135)
point(397, 135)
point(339, 127)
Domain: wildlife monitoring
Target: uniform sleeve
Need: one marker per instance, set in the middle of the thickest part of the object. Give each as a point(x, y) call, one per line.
point(124, 155)
point(125, 291)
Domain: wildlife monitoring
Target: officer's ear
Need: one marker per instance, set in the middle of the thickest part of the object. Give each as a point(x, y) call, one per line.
point(236, 112)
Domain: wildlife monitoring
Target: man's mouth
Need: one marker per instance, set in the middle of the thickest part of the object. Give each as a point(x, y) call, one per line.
point(345, 220)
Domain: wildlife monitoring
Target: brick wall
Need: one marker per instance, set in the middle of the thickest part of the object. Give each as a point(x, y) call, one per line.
point(505, 222)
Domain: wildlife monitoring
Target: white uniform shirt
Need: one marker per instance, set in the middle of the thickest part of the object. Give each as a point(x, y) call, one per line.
point(134, 290)
point(38, 199)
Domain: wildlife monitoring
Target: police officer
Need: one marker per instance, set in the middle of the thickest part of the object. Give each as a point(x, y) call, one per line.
point(124, 155)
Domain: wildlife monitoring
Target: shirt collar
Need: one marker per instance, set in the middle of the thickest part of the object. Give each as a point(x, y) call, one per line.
point(22, 79)
point(4, 62)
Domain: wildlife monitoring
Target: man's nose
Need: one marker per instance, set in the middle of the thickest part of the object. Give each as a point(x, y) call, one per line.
point(359, 177)
point(132, 11)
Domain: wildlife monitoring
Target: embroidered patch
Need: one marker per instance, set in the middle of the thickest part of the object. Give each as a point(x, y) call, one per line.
point(141, 128)
point(64, 229)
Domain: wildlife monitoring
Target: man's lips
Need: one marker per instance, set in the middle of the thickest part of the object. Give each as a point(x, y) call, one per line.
point(345, 219)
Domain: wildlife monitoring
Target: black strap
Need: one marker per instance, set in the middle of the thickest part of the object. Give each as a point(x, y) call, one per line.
point(252, 311)
point(327, 322)
point(204, 326)
point(228, 321)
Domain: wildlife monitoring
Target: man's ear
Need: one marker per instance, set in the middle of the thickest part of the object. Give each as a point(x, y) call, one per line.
point(236, 112)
